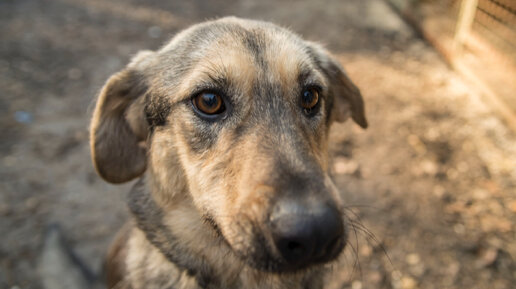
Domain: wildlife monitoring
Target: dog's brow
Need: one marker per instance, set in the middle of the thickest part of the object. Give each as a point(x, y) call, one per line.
point(309, 76)
point(210, 81)
point(220, 80)
point(206, 80)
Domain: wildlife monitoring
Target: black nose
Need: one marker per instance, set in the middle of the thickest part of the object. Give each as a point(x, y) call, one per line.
point(306, 235)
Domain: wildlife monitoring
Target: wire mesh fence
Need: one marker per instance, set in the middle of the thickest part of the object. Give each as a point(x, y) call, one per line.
point(496, 22)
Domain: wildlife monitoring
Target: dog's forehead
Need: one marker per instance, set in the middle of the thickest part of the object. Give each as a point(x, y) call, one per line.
point(241, 50)
point(233, 33)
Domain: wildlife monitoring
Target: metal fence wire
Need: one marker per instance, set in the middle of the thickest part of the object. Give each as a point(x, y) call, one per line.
point(495, 20)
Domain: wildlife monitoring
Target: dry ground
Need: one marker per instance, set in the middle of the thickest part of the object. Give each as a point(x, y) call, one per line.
point(433, 180)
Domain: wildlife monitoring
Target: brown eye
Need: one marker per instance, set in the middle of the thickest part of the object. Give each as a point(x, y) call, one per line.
point(209, 103)
point(309, 99)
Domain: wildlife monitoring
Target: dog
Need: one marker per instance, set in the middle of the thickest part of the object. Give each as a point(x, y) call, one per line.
point(226, 129)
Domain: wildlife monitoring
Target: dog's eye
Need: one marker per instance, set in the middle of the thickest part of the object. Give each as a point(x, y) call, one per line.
point(209, 103)
point(309, 99)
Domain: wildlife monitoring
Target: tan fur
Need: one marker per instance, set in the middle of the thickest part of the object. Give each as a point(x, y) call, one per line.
point(202, 206)
point(117, 254)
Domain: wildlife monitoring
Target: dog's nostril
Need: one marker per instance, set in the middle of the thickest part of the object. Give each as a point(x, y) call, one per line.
point(294, 247)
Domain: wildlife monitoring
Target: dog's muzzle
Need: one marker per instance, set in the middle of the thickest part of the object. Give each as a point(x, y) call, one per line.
point(306, 234)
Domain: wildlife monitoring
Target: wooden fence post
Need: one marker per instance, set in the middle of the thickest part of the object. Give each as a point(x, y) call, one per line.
point(464, 22)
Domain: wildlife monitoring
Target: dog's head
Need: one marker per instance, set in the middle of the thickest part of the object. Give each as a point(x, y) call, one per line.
point(234, 115)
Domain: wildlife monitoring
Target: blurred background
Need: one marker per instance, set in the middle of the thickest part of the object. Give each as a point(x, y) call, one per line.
point(432, 181)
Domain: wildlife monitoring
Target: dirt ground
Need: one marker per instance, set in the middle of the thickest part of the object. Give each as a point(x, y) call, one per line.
point(431, 184)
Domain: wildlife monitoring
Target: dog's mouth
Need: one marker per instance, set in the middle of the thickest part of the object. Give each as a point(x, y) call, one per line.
point(304, 261)
point(285, 255)
point(266, 259)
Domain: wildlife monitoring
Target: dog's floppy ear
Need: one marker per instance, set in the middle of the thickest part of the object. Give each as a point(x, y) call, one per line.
point(118, 129)
point(348, 99)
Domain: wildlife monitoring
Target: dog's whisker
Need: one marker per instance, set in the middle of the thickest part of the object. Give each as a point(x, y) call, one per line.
point(372, 239)
point(356, 252)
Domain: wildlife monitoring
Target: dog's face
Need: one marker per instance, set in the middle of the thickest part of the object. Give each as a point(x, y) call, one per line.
point(234, 115)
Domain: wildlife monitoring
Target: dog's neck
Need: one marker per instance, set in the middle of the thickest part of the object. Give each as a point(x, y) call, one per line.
point(194, 246)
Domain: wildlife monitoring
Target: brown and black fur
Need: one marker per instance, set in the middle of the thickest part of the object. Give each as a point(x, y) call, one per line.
point(205, 190)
